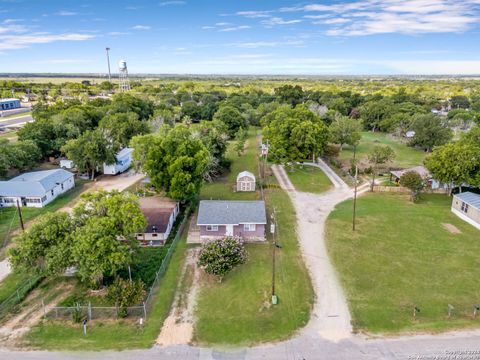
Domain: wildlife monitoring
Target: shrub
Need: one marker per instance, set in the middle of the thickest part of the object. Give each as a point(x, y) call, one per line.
point(126, 293)
point(412, 181)
point(220, 256)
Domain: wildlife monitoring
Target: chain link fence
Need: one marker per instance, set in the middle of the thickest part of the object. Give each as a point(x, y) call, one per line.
point(9, 304)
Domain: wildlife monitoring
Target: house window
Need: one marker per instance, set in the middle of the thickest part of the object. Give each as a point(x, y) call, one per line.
point(44, 198)
point(212, 227)
point(249, 227)
point(61, 185)
point(464, 207)
point(52, 192)
point(154, 234)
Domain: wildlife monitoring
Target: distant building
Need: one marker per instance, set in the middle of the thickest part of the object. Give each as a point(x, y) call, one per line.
point(122, 163)
point(467, 207)
point(244, 219)
point(35, 189)
point(8, 104)
point(160, 214)
point(423, 172)
point(245, 181)
point(410, 134)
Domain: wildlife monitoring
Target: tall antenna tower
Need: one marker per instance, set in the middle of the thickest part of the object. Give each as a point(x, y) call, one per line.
point(124, 82)
point(107, 49)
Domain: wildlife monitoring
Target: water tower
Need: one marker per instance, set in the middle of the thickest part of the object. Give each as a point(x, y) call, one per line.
point(124, 82)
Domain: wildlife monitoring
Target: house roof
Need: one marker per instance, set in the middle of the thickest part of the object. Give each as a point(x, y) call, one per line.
point(157, 211)
point(422, 171)
point(35, 183)
point(245, 173)
point(220, 212)
point(470, 198)
point(124, 152)
point(8, 100)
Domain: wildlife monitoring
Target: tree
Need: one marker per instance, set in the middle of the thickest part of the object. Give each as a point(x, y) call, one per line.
point(126, 293)
point(104, 239)
point(176, 161)
point(380, 154)
point(455, 163)
point(290, 94)
point(232, 118)
point(121, 127)
point(89, 151)
point(345, 130)
point(460, 101)
point(375, 111)
point(45, 248)
point(220, 256)
point(430, 131)
point(241, 138)
point(294, 134)
point(414, 182)
point(24, 155)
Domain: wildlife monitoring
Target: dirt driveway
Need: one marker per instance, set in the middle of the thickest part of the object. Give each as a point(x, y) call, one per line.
point(330, 318)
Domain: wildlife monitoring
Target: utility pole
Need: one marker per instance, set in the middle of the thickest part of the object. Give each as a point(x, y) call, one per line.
point(355, 187)
point(273, 230)
point(108, 62)
point(20, 216)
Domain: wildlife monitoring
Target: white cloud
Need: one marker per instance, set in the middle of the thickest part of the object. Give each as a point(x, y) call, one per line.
point(254, 14)
point(235, 28)
point(65, 13)
point(141, 27)
point(208, 27)
point(279, 21)
point(267, 44)
point(10, 42)
point(370, 17)
point(117, 33)
point(17, 29)
point(172, 3)
point(222, 24)
point(435, 67)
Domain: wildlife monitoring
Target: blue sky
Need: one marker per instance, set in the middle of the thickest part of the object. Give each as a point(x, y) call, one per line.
point(242, 36)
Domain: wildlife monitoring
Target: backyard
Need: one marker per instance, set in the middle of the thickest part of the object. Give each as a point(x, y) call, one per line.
point(405, 156)
point(113, 334)
point(238, 310)
point(404, 255)
point(309, 179)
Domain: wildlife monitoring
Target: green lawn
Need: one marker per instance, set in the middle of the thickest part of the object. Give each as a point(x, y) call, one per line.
point(238, 311)
point(115, 335)
point(405, 156)
point(224, 187)
point(309, 179)
point(401, 256)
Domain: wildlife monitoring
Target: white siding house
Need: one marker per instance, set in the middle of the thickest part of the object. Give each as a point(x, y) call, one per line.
point(123, 162)
point(35, 189)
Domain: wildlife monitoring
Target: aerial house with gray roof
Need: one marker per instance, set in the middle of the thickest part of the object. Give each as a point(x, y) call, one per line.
point(35, 189)
point(244, 219)
point(467, 207)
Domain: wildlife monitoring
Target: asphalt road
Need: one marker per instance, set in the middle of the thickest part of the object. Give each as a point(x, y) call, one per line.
point(15, 121)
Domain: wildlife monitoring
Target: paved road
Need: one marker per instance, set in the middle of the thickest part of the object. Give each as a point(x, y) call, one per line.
point(315, 340)
point(15, 121)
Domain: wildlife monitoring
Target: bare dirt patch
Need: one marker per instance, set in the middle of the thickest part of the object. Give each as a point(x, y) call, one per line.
point(178, 327)
point(451, 228)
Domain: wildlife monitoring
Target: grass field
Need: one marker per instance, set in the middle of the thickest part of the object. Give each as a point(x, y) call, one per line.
point(402, 256)
point(238, 311)
point(223, 188)
point(309, 179)
point(404, 156)
point(114, 335)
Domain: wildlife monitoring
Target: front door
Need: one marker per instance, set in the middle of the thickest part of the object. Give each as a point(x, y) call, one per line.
point(229, 230)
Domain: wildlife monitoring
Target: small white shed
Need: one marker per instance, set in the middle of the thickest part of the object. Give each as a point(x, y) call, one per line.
point(246, 181)
point(67, 164)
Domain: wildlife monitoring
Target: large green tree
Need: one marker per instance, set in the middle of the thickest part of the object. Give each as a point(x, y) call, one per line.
point(121, 127)
point(176, 161)
point(345, 130)
point(294, 134)
point(232, 118)
point(45, 248)
point(430, 131)
point(90, 151)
